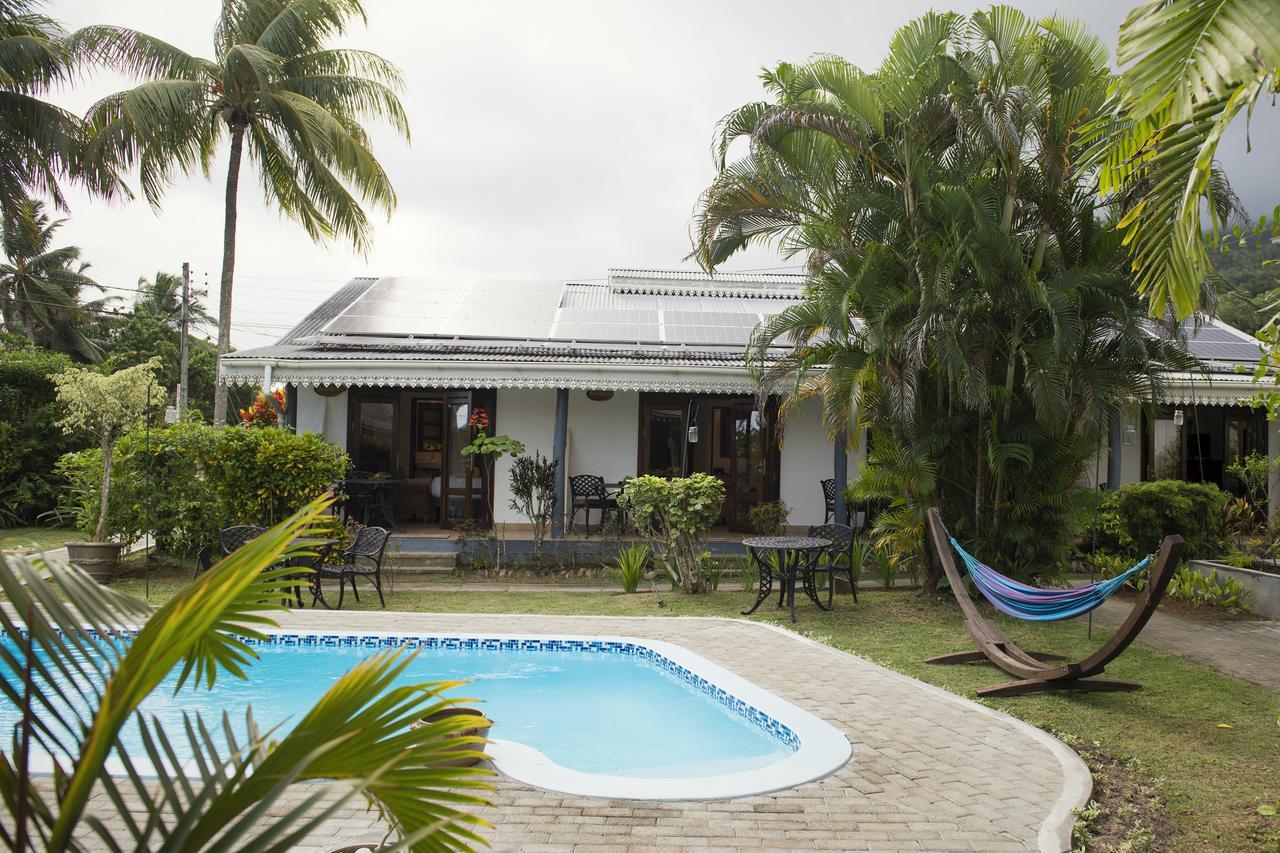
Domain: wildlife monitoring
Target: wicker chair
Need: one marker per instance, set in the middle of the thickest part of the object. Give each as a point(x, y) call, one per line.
point(363, 558)
point(233, 538)
point(587, 492)
point(839, 557)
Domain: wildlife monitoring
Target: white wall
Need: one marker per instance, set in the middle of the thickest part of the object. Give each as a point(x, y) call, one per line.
point(604, 436)
point(808, 457)
point(528, 417)
point(325, 415)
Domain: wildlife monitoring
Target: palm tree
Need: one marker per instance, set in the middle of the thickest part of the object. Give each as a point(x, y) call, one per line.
point(274, 89)
point(965, 300)
point(78, 692)
point(161, 296)
point(1193, 66)
point(40, 144)
point(40, 285)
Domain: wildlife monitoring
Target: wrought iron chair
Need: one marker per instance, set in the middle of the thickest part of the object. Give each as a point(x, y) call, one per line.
point(233, 538)
point(204, 561)
point(839, 558)
point(587, 492)
point(363, 558)
point(361, 496)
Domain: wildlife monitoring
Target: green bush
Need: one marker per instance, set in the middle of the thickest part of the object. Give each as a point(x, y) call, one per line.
point(30, 441)
point(185, 482)
point(674, 514)
point(1150, 511)
point(769, 518)
point(630, 565)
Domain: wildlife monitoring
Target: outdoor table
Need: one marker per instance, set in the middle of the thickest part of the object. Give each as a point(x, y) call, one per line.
point(382, 493)
point(796, 556)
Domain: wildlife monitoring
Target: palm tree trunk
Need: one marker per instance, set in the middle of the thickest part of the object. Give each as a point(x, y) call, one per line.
point(228, 269)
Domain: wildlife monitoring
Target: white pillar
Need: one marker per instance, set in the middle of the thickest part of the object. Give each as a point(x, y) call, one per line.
point(266, 378)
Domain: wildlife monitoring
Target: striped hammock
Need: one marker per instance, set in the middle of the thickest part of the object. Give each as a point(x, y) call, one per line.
point(1040, 605)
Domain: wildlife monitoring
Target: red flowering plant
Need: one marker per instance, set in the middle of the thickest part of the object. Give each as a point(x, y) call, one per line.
point(479, 419)
point(264, 411)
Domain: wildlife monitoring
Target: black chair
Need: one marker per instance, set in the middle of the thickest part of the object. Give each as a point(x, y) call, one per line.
point(361, 496)
point(839, 557)
point(233, 538)
point(587, 492)
point(204, 561)
point(363, 558)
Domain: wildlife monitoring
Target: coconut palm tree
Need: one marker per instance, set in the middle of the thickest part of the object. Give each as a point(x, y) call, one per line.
point(40, 285)
point(965, 299)
point(40, 144)
point(275, 90)
point(78, 691)
point(161, 296)
point(1191, 67)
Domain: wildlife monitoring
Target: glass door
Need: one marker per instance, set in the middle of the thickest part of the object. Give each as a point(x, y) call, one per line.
point(373, 434)
point(746, 473)
point(461, 498)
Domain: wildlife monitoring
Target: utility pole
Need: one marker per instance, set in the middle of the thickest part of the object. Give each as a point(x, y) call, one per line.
point(182, 341)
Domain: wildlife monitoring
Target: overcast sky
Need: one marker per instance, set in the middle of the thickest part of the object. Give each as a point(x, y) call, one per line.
point(551, 139)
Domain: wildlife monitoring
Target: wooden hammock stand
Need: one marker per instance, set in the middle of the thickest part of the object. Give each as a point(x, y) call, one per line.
point(1038, 671)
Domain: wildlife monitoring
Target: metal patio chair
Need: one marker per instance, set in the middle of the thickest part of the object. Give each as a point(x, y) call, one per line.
point(838, 558)
point(587, 492)
point(233, 538)
point(363, 558)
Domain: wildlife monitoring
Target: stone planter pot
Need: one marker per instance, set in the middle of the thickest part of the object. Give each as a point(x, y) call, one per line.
point(479, 729)
point(100, 559)
point(1264, 586)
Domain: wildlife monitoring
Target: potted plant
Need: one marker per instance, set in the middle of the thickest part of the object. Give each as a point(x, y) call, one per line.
point(104, 406)
point(468, 741)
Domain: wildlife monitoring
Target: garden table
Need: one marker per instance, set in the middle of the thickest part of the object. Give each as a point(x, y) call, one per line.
point(314, 561)
point(795, 558)
point(378, 493)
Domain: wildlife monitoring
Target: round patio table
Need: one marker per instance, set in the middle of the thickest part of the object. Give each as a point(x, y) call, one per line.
point(314, 561)
point(796, 557)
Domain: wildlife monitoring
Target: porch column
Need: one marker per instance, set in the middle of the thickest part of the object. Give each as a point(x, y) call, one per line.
point(557, 455)
point(1113, 458)
point(291, 406)
point(841, 474)
point(266, 378)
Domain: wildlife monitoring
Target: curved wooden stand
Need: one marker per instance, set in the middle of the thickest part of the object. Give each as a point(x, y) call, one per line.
point(1030, 667)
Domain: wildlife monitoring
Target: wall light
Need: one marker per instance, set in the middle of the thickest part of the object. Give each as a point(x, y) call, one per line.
point(1177, 417)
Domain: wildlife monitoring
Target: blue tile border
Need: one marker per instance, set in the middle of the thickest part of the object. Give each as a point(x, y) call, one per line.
point(751, 714)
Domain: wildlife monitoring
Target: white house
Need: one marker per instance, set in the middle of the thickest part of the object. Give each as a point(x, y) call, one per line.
point(638, 373)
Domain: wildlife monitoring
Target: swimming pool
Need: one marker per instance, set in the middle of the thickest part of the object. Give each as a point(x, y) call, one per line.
point(614, 717)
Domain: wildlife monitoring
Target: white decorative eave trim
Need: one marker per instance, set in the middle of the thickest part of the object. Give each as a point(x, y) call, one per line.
point(453, 374)
point(1223, 390)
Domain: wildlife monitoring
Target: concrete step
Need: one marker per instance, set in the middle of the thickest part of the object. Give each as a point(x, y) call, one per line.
point(424, 562)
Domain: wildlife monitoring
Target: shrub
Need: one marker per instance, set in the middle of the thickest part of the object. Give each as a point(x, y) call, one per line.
point(30, 441)
point(674, 514)
point(630, 564)
point(185, 482)
point(1201, 590)
point(533, 493)
point(1151, 511)
point(769, 518)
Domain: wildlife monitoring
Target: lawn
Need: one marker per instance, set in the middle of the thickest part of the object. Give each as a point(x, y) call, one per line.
point(1208, 743)
point(42, 538)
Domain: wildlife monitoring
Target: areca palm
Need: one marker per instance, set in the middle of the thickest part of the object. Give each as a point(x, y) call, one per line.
point(78, 690)
point(1191, 68)
point(40, 144)
point(274, 89)
point(40, 285)
point(965, 301)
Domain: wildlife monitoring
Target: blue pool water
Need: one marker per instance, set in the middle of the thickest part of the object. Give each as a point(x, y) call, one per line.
point(589, 711)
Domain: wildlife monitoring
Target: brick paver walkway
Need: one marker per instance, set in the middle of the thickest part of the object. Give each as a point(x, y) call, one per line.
point(930, 770)
point(1248, 649)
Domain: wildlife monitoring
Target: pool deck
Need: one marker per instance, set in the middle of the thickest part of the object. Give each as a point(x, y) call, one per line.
point(930, 770)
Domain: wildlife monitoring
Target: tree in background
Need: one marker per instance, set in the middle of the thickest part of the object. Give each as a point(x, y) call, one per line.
point(274, 89)
point(967, 300)
point(1191, 67)
point(40, 285)
point(40, 144)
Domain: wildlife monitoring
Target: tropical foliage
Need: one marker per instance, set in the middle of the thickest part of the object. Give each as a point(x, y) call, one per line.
point(274, 89)
point(41, 145)
point(1191, 67)
point(183, 483)
point(102, 407)
point(40, 285)
point(675, 514)
point(80, 683)
point(533, 493)
point(30, 441)
point(968, 300)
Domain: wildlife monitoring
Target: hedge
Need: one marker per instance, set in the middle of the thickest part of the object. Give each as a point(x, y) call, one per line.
point(30, 441)
point(1150, 511)
point(185, 482)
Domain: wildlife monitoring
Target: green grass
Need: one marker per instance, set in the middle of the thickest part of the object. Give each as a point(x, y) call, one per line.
point(42, 538)
point(1212, 778)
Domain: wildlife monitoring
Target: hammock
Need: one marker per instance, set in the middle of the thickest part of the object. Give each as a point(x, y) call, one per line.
point(1040, 605)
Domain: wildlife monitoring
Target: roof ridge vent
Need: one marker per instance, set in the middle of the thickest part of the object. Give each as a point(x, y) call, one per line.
point(696, 283)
